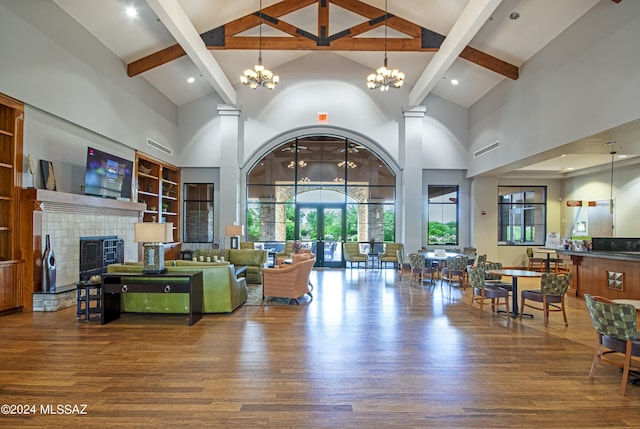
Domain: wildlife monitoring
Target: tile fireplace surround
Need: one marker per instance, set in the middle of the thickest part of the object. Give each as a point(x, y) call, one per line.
point(68, 217)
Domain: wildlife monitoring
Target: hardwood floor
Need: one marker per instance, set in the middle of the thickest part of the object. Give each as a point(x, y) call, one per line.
point(367, 352)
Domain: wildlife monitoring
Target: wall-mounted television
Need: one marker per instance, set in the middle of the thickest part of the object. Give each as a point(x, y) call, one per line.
point(107, 175)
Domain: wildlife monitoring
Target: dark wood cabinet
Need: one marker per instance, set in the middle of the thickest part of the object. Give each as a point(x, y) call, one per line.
point(11, 129)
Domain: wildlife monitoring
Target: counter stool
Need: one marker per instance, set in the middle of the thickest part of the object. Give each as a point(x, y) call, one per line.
point(88, 293)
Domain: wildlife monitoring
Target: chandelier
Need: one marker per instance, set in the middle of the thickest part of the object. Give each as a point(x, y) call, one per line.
point(385, 77)
point(259, 76)
point(349, 164)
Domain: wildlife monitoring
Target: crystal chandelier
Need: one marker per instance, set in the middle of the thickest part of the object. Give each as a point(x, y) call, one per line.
point(385, 77)
point(259, 76)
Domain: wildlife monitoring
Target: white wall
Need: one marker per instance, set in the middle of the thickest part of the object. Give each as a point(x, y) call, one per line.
point(51, 63)
point(485, 227)
point(597, 186)
point(582, 83)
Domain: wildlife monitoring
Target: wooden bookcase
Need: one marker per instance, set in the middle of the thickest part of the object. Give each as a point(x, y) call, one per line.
point(11, 129)
point(158, 186)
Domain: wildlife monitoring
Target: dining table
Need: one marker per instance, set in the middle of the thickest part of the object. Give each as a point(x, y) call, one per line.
point(515, 274)
point(437, 257)
point(548, 252)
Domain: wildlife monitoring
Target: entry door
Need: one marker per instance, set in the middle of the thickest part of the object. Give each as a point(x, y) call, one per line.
point(321, 227)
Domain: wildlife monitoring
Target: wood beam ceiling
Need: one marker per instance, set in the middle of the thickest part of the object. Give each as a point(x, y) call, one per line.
point(419, 39)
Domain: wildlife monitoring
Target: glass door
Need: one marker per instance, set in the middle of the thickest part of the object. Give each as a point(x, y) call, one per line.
point(321, 227)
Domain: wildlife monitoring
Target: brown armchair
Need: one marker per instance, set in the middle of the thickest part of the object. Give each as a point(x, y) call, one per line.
point(288, 281)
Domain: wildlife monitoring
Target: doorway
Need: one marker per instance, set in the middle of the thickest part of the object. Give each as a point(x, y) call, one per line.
point(321, 227)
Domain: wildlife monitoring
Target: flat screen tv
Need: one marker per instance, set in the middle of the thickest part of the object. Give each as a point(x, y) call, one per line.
point(107, 175)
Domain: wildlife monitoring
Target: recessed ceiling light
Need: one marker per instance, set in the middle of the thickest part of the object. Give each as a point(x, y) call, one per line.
point(191, 79)
point(564, 154)
point(622, 156)
point(132, 12)
point(454, 81)
point(570, 168)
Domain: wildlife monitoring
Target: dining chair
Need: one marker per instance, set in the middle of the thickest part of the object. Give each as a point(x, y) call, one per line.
point(419, 269)
point(616, 335)
point(454, 271)
point(483, 290)
point(535, 264)
point(553, 288)
point(495, 279)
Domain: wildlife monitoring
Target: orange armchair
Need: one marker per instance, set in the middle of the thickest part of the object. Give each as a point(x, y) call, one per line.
point(288, 281)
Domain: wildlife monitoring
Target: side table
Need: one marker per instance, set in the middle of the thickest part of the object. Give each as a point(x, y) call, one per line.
point(88, 293)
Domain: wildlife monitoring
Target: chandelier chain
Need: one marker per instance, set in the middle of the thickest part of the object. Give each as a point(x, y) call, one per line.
point(259, 76)
point(385, 78)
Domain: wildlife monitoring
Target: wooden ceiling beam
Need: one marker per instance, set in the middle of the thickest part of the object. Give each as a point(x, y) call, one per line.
point(343, 44)
point(419, 39)
point(154, 60)
point(275, 11)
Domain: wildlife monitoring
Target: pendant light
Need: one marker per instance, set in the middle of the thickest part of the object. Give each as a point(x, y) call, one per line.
point(259, 76)
point(613, 153)
point(384, 78)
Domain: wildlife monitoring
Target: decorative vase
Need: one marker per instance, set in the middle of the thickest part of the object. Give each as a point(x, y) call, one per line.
point(48, 267)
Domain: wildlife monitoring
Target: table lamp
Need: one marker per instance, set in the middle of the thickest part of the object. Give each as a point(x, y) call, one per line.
point(234, 231)
point(153, 235)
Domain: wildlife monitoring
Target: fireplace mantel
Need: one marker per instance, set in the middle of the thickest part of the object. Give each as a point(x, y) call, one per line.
point(66, 217)
point(76, 203)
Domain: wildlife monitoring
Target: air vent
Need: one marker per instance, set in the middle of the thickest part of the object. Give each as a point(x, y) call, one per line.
point(160, 147)
point(492, 146)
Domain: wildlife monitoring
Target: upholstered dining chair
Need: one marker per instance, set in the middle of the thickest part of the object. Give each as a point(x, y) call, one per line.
point(351, 253)
point(616, 334)
point(454, 271)
point(419, 269)
point(483, 290)
point(247, 245)
point(553, 288)
point(495, 279)
point(535, 264)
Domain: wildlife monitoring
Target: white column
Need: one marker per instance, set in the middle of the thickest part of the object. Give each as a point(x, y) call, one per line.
point(413, 233)
point(230, 152)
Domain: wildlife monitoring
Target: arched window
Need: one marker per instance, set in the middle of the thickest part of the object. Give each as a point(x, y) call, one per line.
point(321, 170)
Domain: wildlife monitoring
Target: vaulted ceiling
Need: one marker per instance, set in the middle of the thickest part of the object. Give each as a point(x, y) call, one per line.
point(477, 43)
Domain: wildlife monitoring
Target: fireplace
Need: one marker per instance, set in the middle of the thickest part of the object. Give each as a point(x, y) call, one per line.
point(96, 253)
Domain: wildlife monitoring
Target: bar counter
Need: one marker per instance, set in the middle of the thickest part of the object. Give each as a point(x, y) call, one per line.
point(612, 274)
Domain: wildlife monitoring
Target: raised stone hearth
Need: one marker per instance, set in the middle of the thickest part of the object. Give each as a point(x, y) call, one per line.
point(63, 297)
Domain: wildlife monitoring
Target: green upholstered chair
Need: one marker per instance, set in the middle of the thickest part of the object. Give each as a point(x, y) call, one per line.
point(616, 335)
point(553, 288)
point(454, 271)
point(535, 264)
point(495, 279)
point(483, 290)
point(351, 252)
point(247, 245)
point(285, 254)
point(389, 256)
point(419, 269)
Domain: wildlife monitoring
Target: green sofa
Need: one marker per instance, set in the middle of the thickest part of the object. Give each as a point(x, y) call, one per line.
point(223, 292)
point(254, 259)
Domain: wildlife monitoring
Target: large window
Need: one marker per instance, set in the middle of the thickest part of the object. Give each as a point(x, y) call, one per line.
point(321, 170)
point(522, 215)
point(198, 213)
point(443, 214)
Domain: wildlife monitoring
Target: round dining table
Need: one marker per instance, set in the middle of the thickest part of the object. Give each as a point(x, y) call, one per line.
point(515, 274)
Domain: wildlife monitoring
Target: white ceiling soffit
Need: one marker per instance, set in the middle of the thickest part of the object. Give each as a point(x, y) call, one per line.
point(472, 19)
point(179, 25)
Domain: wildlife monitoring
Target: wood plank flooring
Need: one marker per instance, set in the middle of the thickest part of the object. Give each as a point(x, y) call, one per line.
point(368, 352)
